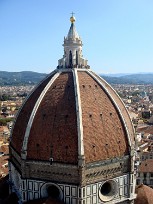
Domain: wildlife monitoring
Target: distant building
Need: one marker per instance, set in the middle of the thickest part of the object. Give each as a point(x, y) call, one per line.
point(145, 173)
point(146, 114)
point(144, 195)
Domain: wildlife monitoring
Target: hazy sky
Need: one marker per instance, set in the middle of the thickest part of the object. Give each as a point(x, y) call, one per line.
point(117, 34)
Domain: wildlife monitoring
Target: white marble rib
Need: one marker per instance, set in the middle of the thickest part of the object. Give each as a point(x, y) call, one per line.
point(26, 137)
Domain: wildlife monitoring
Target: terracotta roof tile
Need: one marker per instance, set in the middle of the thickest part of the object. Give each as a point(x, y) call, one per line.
point(146, 166)
point(23, 117)
point(104, 133)
point(144, 195)
point(53, 133)
point(121, 105)
point(146, 129)
point(54, 130)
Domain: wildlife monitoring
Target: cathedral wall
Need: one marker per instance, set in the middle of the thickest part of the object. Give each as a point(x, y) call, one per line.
point(35, 189)
point(30, 189)
point(72, 194)
point(15, 180)
point(124, 191)
point(50, 171)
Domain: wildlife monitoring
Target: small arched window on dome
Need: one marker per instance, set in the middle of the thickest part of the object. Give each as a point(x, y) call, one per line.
point(76, 58)
point(70, 59)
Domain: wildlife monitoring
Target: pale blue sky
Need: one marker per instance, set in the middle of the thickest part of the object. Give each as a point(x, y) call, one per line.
point(117, 34)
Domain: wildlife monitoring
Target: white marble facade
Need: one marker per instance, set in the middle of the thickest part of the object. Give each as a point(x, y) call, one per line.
point(30, 189)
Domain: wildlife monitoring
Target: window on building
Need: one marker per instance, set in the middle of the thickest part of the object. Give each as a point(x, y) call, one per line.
point(144, 181)
point(138, 181)
point(53, 192)
point(151, 181)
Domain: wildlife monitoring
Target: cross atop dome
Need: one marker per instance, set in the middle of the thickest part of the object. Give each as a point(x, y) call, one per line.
point(72, 18)
point(72, 13)
point(72, 57)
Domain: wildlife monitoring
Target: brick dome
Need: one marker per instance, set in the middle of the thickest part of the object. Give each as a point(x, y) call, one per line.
point(72, 113)
point(73, 139)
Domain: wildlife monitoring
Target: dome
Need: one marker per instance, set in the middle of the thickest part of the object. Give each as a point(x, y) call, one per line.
point(72, 113)
point(73, 139)
point(144, 194)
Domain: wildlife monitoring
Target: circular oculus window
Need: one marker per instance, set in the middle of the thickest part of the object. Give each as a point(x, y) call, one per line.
point(52, 190)
point(108, 190)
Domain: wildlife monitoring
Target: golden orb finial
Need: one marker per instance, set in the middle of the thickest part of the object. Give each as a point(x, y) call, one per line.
point(72, 18)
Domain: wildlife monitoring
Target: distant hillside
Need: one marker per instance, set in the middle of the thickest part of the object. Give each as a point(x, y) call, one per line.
point(130, 79)
point(28, 77)
point(19, 78)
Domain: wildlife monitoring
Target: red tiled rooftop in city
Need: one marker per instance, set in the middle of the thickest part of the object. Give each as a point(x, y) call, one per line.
point(146, 166)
